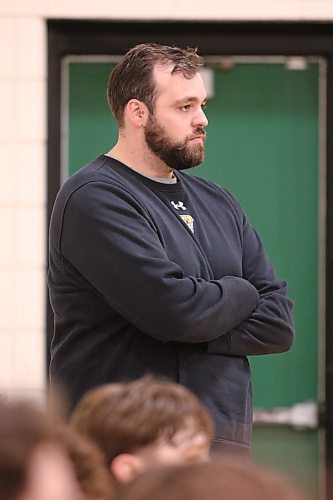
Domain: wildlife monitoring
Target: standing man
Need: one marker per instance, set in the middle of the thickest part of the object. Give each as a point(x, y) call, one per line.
point(155, 271)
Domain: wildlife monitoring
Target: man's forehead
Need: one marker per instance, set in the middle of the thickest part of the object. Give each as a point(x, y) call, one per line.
point(173, 83)
point(163, 75)
point(165, 68)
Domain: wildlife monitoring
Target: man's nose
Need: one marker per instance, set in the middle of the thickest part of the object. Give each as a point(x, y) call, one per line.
point(200, 119)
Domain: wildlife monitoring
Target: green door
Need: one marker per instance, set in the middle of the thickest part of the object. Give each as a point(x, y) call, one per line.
point(263, 146)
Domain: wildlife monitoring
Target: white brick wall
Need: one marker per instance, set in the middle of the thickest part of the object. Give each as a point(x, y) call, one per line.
point(23, 152)
point(22, 198)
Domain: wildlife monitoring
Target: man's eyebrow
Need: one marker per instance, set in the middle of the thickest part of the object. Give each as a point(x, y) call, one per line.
point(188, 99)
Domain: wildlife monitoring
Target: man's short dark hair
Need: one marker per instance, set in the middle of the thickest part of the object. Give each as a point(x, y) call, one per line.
point(133, 78)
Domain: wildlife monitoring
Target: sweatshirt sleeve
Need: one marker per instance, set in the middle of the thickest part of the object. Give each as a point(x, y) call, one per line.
point(269, 328)
point(108, 238)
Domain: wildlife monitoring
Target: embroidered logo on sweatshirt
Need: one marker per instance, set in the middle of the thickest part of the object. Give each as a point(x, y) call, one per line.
point(178, 206)
point(189, 221)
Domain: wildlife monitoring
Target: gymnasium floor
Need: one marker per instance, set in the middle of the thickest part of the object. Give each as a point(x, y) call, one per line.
point(296, 453)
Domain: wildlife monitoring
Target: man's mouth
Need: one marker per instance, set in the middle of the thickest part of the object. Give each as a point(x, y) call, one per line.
point(198, 135)
point(198, 138)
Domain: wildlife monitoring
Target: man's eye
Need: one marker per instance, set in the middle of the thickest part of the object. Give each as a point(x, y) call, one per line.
point(186, 107)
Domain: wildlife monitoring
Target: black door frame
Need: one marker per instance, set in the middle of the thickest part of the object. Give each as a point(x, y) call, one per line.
point(77, 37)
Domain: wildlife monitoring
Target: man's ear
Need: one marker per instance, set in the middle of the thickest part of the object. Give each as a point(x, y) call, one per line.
point(136, 112)
point(126, 467)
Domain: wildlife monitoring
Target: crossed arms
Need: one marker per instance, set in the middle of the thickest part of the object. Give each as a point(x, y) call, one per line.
point(109, 238)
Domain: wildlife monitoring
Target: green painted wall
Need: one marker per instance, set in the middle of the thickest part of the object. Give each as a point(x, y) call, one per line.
point(263, 146)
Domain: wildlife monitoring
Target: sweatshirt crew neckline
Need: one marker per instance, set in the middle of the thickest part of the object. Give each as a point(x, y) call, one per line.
point(126, 171)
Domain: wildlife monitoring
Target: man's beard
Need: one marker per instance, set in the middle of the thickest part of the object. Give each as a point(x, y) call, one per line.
point(178, 156)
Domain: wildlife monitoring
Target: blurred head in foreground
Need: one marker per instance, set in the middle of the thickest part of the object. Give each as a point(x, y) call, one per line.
point(144, 423)
point(33, 465)
point(92, 475)
point(216, 480)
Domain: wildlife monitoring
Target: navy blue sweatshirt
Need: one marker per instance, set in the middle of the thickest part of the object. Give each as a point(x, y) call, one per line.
point(167, 279)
